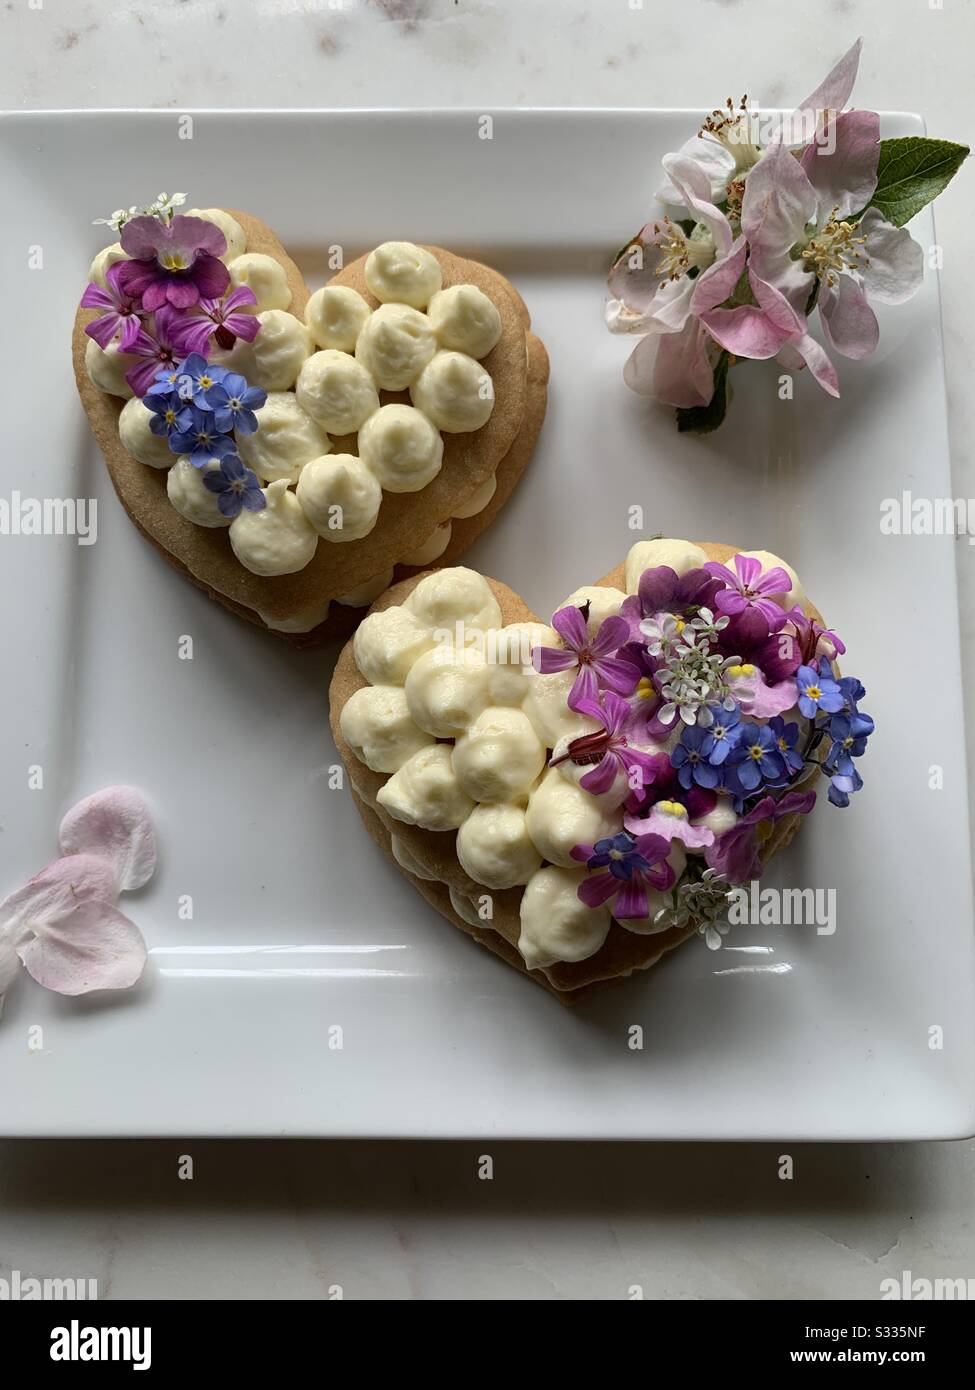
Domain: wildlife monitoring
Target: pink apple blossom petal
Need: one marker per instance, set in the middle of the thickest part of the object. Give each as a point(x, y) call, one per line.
point(849, 323)
point(114, 823)
point(682, 373)
point(894, 267)
point(94, 947)
point(694, 187)
point(745, 331)
point(715, 284)
point(841, 164)
point(56, 891)
point(832, 94)
point(816, 359)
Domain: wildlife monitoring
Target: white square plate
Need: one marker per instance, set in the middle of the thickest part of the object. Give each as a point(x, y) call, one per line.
point(298, 924)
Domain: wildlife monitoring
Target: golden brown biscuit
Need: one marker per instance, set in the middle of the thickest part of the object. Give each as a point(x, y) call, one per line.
point(623, 952)
point(518, 369)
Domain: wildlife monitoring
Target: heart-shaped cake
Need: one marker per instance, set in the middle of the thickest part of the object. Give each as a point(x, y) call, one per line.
point(584, 796)
point(294, 453)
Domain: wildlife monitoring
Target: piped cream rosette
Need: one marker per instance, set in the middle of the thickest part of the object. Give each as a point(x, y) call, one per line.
point(325, 377)
point(441, 701)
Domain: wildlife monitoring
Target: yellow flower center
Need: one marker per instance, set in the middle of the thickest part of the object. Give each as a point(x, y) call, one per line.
point(756, 751)
point(672, 808)
point(746, 669)
point(813, 692)
point(645, 688)
point(835, 248)
point(173, 260)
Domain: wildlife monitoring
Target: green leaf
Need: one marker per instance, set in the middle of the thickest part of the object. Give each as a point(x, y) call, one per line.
point(702, 419)
point(911, 172)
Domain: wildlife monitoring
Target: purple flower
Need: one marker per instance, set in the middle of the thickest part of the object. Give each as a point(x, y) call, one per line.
point(160, 346)
point(173, 262)
point(201, 441)
point(735, 853)
point(224, 319)
point(672, 821)
point(757, 758)
point(723, 735)
point(199, 383)
point(241, 400)
point(818, 691)
point(810, 634)
point(631, 867)
point(609, 748)
point(842, 787)
point(690, 757)
point(120, 312)
point(748, 587)
point(594, 657)
point(662, 590)
point(849, 734)
point(235, 486)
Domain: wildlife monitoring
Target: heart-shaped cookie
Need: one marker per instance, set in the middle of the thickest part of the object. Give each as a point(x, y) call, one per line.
point(582, 798)
point(343, 510)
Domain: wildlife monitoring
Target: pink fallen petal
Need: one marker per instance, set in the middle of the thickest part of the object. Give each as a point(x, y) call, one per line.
point(849, 323)
point(56, 891)
point(841, 163)
point(94, 947)
point(115, 824)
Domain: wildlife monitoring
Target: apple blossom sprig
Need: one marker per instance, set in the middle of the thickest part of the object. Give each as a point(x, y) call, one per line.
point(63, 925)
point(736, 704)
point(170, 294)
point(784, 218)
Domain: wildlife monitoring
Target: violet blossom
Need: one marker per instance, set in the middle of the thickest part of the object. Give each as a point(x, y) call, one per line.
point(176, 262)
point(595, 657)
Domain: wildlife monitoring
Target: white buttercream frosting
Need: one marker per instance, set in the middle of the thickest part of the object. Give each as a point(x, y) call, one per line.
point(339, 496)
point(407, 860)
point(555, 924)
point(494, 847)
point(106, 368)
point(456, 391)
point(561, 816)
point(452, 596)
point(364, 594)
point(401, 447)
point(509, 655)
point(604, 602)
point(681, 556)
point(185, 489)
point(447, 688)
point(425, 791)
point(266, 278)
point(478, 499)
point(401, 271)
point(278, 539)
point(377, 725)
point(138, 439)
point(500, 756)
point(395, 344)
point(103, 262)
point(276, 356)
point(465, 320)
point(387, 643)
point(285, 440)
point(336, 315)
point(337, 391)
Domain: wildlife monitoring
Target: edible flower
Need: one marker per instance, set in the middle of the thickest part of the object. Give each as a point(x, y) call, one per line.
point(818, 690)
point(235, 486)
point(631, 868)
point(609, 748)
point(120, 312)
point(176, 262)
point(595, 657)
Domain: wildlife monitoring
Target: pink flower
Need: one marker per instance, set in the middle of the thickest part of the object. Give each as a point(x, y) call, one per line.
point(595, 657)
point(63, 925)
point(160, 344)
point(748, 587)
point(120, 312)
point(225, 320)
point(670, 819)
point(174, 262)
point(610, 749)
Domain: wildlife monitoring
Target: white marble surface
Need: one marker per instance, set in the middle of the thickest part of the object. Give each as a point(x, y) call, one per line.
point(575, 1221)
